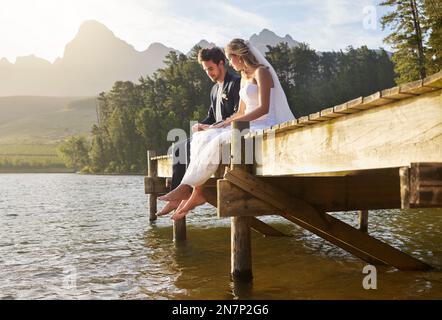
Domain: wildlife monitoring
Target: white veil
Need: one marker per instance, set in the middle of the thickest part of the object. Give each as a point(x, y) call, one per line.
point(282, 109)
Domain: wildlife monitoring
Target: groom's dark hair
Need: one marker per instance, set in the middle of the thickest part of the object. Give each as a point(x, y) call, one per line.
point(214, 54)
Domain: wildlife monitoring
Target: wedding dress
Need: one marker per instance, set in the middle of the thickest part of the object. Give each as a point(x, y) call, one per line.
point(205, 147)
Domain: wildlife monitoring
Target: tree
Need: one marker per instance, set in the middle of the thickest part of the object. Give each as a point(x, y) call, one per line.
point(408, 23)
point(74, 152)
point(433, 9)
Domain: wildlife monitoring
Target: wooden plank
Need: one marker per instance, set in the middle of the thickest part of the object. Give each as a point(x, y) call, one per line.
point(373, 189)
point(155, 185)
point(393, 135)
point(318, 117)
point(343, 108)
point(265, 229)
point(165, 166)
point(326, 224)
point(434, 80)
point(305, 121)
point(331, 113)
point(210, 194)
point(426, 185)
point(233, 201)
point(416, 87)
point(395, 93)
point(373, 100)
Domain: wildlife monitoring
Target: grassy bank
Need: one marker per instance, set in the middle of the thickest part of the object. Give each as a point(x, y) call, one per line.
point(30, 158)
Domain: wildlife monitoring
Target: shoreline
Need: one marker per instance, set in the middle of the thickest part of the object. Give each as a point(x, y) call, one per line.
point(12, 171)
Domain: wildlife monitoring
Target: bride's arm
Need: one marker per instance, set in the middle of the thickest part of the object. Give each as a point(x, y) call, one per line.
point(265, 83)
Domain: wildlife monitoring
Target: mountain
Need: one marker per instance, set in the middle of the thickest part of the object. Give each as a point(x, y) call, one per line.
point(91, 63)
point(203, 44)
point(93, 60)
point(267, 37)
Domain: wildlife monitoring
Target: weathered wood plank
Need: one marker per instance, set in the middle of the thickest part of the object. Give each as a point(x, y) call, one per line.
point(331, 113)
point(155, 185)
point(434, 80)
point(396, 94)
point(373, 100)
point(426, 185)
point(344, 108)
point(324, 224)
point(393, 135)
point(416, 87)
point(233, 201)
point(164, 166)
point(372, 189)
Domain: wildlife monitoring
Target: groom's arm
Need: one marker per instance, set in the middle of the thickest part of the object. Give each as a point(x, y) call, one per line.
point(210, 119)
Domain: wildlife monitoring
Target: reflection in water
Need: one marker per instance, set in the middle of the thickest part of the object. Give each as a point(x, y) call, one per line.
point(79, 237)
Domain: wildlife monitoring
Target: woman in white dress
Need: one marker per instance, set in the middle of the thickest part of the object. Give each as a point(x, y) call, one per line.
point(263, 103)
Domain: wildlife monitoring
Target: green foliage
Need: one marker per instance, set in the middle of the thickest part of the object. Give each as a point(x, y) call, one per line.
point(416, 37)
point(313, 81)
point(74, 152)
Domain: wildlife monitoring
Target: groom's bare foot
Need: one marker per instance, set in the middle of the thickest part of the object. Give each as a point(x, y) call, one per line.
point(181, 192)
point(171, 205)
point(196, 199)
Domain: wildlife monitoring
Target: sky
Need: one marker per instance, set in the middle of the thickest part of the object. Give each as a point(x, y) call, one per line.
point(44, 27)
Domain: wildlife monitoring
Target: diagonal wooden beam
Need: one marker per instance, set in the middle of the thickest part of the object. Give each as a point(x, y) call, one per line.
point(265, 229)
point(324, 225)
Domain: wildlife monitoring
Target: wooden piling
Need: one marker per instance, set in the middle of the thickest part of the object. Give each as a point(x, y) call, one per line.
point(241, 245)
point(363, 220)
point(152, 172)
point(179, 227)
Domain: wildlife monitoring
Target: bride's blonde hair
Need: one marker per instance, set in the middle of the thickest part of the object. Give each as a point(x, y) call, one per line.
point(239, 47)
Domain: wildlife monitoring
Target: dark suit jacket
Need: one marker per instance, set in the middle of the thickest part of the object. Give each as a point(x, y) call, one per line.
point(230, 104)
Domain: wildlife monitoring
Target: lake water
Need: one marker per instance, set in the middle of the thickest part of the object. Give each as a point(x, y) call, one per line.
point(68, 236)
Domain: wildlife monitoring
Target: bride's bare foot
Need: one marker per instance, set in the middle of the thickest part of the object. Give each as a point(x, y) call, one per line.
point(181, 192)
point(196, 199)
point(171, 205)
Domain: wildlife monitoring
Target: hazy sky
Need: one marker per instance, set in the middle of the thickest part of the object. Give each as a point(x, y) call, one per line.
point(44, 27)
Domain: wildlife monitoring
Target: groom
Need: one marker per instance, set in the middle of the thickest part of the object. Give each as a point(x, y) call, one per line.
point(224, 99)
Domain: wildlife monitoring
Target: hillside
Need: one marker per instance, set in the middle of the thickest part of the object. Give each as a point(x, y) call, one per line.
point(30, 119)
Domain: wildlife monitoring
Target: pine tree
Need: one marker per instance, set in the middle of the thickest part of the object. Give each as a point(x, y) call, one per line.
point(408, 22)
point(433, 10)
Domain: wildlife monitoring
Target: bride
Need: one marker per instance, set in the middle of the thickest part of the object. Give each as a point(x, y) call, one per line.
point(263, 103)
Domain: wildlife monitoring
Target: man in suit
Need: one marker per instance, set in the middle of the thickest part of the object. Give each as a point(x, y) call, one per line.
point(224, 101)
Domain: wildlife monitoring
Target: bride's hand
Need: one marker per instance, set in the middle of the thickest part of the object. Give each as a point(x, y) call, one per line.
point(223, 124)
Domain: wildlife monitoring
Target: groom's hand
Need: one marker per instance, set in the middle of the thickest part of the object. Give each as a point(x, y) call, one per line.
point(199, 127)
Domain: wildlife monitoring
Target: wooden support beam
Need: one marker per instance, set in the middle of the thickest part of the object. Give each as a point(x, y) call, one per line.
point(241, 243)
point(324, 225)
point(265, 229)
point(426, 185)
point(368, 189)
point(152, 173)
point(155, 185)
point(233, 201)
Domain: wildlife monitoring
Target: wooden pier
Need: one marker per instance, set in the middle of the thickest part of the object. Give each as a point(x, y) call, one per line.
point(382, 151)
